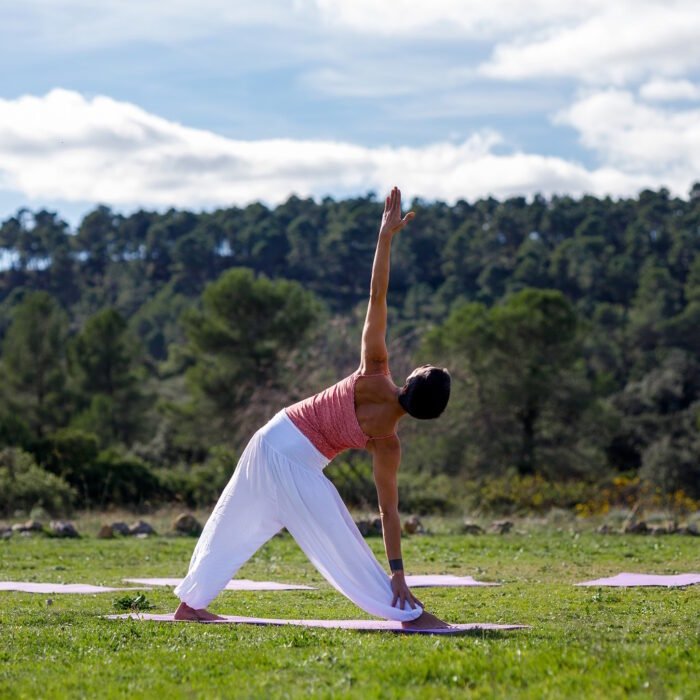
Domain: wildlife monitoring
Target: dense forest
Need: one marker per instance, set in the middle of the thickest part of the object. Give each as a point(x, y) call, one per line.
point(140, 352)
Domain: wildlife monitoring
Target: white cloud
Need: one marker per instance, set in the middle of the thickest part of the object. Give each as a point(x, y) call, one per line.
point(80, 24)
point(634, 137)
point(64, 147)
point(669, 90)
point(621, 42)
point(110, 22)
point(466, 18)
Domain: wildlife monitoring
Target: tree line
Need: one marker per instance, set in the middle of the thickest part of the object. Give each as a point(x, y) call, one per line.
point(139, 352)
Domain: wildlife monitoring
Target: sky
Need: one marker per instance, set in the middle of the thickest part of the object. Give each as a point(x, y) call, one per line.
point(201, 104)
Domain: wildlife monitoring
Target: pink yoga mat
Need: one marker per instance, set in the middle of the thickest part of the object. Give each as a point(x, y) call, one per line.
point(366, 625)
point(237, 584)
point(30, 587)
point(430, 580)
point(625, 580)
point(421, 581)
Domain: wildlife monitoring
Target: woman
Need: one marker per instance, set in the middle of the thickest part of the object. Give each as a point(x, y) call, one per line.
point(279, 480)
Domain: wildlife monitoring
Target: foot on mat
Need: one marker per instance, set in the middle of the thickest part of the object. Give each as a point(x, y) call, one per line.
point(185, 612)
point(425, 622)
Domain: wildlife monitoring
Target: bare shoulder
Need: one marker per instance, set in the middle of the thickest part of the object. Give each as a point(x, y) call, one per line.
point(375, 383)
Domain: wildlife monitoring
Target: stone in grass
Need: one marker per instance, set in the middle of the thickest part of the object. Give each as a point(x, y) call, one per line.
point(141, 527)
point(470, 528)
point(120, 528)
point(106, 533)
point(187, 524)
point(605, 529)
point(369, 527)
point(5, 533)
point(501, 527)
point(363, 526)
point(28, 526)
point(636, 528)
point(413, 526)
point(62, 528)
point(692, 529)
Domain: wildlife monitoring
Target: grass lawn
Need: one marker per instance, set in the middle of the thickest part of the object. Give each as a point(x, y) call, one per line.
point(584, 642)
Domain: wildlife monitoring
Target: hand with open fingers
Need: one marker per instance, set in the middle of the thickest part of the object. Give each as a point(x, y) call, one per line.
point(392, 222)
point(403, 598)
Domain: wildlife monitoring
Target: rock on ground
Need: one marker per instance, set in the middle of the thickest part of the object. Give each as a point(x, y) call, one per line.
point(141, 527)
point(501, 527)
point(470, 528)
point(120, 528)
point(28, 526)
point(187, 524)
point(61, 528)
point(106, 533)
point(413, 526)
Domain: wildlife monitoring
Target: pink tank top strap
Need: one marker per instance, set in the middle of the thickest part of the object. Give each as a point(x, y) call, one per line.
point(381, 437)
point(373, 374)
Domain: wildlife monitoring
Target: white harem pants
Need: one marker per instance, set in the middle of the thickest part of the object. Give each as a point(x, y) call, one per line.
point(279, 482)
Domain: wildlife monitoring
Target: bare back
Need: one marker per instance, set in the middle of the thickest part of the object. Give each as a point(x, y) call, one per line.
point(375, 405)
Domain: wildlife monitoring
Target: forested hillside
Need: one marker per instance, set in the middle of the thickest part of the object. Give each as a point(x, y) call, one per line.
point(140, 352)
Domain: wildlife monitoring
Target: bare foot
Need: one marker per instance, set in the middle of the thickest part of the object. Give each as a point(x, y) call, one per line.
point(425, 622)
point(185, 612)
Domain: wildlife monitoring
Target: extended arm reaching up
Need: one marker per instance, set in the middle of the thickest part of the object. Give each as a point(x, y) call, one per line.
point(375, 357)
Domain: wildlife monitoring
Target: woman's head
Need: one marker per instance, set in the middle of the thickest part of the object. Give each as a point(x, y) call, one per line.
point(426, 392)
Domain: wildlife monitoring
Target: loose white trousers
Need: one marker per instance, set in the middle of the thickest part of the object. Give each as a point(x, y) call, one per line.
point(279, 482)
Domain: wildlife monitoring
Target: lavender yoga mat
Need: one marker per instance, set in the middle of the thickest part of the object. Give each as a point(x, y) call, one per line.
point(30, 587)
point(366, 625)
point(237, 584)
point(626, 579)
point(422, 581)
point(430, 580)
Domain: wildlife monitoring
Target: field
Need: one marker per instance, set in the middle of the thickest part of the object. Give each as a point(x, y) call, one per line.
point(584, 642)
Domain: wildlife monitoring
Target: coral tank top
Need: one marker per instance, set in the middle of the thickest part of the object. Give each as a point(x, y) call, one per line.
point(328, 419)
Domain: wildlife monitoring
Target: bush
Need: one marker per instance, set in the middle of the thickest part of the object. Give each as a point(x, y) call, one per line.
point(68, 453)
point(100, 478)
point(672, 464)
point(636, 494)
point(199, 485)
point(24, 486)
point(120, 479)
point(527, 494)
point(354, 481)
point(427, 494)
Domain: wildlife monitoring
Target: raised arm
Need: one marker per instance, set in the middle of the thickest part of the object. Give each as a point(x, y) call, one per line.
point(375, 358)
point(386, 456)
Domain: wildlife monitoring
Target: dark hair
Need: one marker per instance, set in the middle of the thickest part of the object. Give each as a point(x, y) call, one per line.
point(426, 393)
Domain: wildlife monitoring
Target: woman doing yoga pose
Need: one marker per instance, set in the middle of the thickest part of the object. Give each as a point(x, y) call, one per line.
point(279, 480)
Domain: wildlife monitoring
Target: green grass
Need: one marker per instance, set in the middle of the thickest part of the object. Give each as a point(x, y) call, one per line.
point(584, 642)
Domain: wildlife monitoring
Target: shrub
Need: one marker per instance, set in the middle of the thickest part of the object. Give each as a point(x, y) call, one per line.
point(199, 485)
point(120, 479)
point(25, 486)
point(634, 493)
point(426, 494)
point(100, 478)
point(526, 494)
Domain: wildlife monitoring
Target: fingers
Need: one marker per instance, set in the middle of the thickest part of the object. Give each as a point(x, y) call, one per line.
point(405, 596)
point(409, 217)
